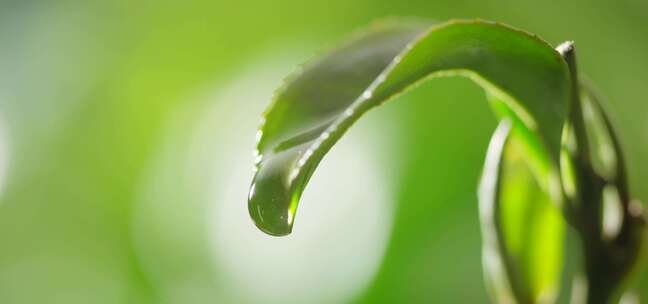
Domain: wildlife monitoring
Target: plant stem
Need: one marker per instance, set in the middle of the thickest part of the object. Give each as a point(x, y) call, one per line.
point(606, 261)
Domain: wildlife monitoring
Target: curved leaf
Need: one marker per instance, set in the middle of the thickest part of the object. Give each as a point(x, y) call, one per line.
point(522, 229)
point(318, 104)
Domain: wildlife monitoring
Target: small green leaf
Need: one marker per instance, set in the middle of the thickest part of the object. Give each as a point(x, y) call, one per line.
point(320, 102)
point(607, 157)
point(522, 229)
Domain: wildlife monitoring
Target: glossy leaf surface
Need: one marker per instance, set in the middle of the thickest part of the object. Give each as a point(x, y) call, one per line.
point(320, 102)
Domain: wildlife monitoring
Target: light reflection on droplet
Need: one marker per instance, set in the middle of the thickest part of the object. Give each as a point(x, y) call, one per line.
point(258, 159)
point(366, 94)
point(259, 134)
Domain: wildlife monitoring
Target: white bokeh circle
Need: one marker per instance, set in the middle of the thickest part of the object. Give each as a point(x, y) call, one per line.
point(341, 227)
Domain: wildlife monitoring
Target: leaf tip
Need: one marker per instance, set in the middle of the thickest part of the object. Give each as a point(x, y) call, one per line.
point(565, 48)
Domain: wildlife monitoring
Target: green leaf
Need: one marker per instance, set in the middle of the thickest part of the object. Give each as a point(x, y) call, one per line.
point(319, 103)
point(522, 229)
point(607, 157)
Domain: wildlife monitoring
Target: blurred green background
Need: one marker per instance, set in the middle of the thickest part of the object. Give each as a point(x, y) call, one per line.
point(126, 138)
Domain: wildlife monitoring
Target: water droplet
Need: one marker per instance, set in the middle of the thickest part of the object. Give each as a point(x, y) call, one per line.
point(366, 94)
point(275, 191)
point(259, 134)
point(270, 203)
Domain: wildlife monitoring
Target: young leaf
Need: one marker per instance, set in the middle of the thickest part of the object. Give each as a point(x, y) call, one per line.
point(522, 229)
point(318, 104)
